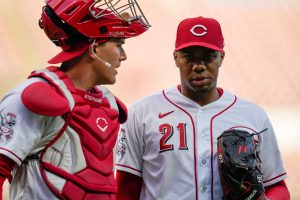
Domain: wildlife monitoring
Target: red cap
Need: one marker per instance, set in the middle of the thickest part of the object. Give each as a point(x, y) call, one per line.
point(73, 52)
point(199, 31)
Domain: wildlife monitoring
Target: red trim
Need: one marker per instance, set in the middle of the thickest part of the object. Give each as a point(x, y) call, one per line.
point(11, 153)
point(274, 178)
point(211, 143)
point(129, 168)
point(221, 91)
point(78, 181)
point(194, 132)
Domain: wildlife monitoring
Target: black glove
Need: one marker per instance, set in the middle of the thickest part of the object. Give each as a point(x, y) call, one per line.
point(238, 164)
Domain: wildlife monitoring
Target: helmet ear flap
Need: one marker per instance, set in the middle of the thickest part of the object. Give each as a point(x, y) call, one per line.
point(59, 32)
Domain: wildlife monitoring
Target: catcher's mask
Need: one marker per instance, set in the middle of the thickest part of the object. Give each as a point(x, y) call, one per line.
point(69, 22)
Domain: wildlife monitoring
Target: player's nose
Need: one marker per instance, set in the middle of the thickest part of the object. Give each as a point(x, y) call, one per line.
point(199, 67)
point(123, 56)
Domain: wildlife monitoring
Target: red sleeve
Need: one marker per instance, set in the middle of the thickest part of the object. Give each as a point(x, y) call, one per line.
point(278, 191)
point(129, 186)
point(6, 166)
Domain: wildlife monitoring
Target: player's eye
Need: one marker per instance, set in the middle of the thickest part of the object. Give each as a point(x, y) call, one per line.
point(210, 56)
point(189, 57)
point(120, 47)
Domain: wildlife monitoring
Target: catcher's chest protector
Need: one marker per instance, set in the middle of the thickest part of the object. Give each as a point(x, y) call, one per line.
point(78, 162)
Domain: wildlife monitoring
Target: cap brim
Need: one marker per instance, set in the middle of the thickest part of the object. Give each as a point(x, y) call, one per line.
point(201, 44)
point(68, 55)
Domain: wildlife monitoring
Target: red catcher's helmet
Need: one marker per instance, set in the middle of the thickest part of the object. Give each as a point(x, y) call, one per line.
point(71, 23)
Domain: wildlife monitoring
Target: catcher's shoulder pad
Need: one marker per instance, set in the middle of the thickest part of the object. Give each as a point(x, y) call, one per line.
point(44, 99)
point(123, 113)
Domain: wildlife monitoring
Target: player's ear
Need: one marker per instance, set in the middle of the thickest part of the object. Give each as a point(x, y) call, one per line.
point(93, 49)
point(222, 56)
point(175, 57)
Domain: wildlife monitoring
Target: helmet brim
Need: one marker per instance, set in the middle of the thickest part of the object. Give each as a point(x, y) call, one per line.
point(64, 56)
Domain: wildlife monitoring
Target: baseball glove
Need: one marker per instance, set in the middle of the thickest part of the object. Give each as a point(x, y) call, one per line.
point(238, 164)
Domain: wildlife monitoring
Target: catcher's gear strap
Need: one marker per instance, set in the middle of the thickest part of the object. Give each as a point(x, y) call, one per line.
point(122, 111)
point(44, 99)
point(278, 191)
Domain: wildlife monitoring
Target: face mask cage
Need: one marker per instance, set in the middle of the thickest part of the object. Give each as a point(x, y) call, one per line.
point(128, 10)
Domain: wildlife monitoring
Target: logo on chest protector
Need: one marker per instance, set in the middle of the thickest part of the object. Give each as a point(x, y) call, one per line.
point(102, 124)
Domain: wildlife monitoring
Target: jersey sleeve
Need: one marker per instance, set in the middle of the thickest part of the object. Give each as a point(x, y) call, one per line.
point(272, 163)
point(130, 145)
point(20, 129)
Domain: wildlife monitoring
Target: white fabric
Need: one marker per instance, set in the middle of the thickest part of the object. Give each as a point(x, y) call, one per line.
point(189, 173)
point(65, 153)
point(30, 134)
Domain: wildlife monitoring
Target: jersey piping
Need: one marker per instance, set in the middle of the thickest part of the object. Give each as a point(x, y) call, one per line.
point(194, 133)
point(211, 143)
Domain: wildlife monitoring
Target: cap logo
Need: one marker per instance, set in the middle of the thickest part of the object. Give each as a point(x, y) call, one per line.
point(198, 33)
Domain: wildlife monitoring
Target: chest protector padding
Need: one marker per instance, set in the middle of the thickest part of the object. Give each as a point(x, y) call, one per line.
point(78, 162)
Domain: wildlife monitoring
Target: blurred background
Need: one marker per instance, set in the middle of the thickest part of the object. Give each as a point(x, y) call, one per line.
point(262, 40)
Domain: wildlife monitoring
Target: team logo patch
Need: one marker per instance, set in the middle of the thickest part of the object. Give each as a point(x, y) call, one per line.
point(7, 122)
point(122, 142)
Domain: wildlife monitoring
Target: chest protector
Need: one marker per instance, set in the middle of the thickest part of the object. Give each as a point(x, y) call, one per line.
point(77, 163)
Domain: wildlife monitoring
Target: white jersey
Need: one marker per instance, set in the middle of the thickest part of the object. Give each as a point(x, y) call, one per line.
point(24, 133)
point(171, 142)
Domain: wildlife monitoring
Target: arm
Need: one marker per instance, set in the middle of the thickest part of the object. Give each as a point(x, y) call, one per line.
point(272, 165)
point(6, 166)
point(277, 191)
point(129, 186)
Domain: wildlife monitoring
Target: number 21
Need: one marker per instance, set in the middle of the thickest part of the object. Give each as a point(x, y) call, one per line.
point(167, 130)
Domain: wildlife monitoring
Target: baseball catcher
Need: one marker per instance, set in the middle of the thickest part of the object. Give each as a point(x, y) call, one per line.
point(238, 164)
point(59, 127)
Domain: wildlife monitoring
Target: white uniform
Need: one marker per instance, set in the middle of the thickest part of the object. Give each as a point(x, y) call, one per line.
point(29, 133)
point(171, 142)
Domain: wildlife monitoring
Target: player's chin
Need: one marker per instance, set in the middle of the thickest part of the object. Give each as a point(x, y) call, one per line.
point(110, 81)
point(200, 88)
point(113, 81)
